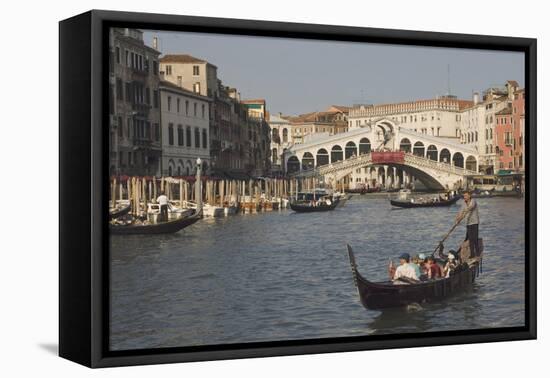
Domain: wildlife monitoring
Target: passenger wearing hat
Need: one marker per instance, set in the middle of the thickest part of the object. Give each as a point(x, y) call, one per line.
point(451, 264)
point(405, 269)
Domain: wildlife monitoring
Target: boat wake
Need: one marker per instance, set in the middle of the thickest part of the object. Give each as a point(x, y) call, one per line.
point(414, 307)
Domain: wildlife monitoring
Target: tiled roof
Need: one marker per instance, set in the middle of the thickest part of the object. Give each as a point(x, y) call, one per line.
point(505, 111)
point(181, 58)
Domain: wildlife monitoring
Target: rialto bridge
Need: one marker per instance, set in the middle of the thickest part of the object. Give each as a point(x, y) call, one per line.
point(386, 155)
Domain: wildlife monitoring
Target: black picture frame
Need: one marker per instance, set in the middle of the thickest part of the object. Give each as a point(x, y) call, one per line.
point(83, 141)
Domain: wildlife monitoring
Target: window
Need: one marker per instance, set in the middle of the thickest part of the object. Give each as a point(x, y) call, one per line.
point(168, 70)
point(197, 87)
point(197, 138)
point(119, 91)
point(128, 90)
point(130, 158)
point(204, 139)
point(178, 101)
point(155, 98)
point(120, 127)
point(157, 132)
point(171, 134)
point(186, 107)
point(203, 110)
point(127, 58)
point(180, 135)
point(148, 96)
point(155, 67)
point(195, 109)
point(117, 53)
point(195, 70)
point(180, 81)
point(169, 102)
point(188, 136)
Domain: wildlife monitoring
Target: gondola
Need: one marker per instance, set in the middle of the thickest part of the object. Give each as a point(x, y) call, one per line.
point(307, 208)
point(156, 228)
point(441, 203)
point(356, 191)
point(387, 294)
point(119, 212)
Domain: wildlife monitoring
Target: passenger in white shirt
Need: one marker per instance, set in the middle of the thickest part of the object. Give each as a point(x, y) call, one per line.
point(163, 202)
point(405, 269)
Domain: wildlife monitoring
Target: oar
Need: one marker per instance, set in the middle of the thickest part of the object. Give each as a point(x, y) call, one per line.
point(447, 235)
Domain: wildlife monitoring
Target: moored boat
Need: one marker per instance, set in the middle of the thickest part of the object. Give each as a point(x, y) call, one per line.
point(314, 206)
point(135, 227)
point(121, 210)
point(387, 294)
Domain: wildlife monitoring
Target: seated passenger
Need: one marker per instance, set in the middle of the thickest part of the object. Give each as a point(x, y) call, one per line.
point(405, 269)
point(433, 270)
point(451, 264)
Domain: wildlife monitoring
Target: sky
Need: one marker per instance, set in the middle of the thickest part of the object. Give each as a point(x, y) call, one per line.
point(297, 76)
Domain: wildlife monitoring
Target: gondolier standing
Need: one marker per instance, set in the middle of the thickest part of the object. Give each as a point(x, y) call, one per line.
point(469, 211)
point(163, 202)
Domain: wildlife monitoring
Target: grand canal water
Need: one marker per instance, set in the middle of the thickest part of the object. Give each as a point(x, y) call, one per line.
point(284, 276)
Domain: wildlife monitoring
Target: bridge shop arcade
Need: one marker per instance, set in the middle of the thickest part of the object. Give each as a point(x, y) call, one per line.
point(350, 159)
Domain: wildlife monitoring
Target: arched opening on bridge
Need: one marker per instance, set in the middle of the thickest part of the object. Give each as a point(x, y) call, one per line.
point(432, 152)
point(381, 179)
point(336, 154)
point(471, 163)
point(285, 135)
point(418, 149)
point(351, 150)
point(458, 160)
point(322, 157)
point(364, 146)
point(308, 161)
point(405, 145)
point(274, 156)
point(445, 156)
point(293, 164)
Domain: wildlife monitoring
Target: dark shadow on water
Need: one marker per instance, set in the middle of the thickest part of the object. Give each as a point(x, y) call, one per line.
point(51, 348)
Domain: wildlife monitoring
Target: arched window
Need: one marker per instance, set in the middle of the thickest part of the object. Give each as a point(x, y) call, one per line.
point(431, 152)
point(308, 161)
point(418, 149)
point(445, 156)
point(471, 163)
point(364, 146)
point(274, 156)
point(197, 138)
point(458, 160)
point(293, 164)
point(336, 154)
point(285, 135)
point(405, 145)
point(275, 135)
point(351, 150)
point(322, 157)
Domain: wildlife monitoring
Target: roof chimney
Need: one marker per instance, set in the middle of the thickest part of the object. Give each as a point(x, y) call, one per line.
point(155, 43)
point(476, 98)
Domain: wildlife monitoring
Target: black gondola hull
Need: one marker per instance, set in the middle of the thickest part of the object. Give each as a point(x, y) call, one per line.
point(410, 205)
point(381, 295)
point(157, 228)
point(313, 209)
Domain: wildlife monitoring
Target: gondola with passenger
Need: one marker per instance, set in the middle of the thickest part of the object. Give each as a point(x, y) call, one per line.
point(418, 202)
point(406, 291)
point(316, 205)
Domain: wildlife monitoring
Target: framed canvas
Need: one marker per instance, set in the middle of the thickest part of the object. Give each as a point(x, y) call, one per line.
point(235, 188)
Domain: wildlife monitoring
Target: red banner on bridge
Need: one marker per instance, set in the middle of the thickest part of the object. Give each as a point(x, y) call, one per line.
point(388, 157)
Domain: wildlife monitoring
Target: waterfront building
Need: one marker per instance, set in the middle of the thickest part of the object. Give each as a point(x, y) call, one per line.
point(478, 123)
point(184, 130)
point(230, 126)
point(134, 122)
point(330, 121)
point(509, 132)
point(281, 139)
point(259, 137)
point(435, 117)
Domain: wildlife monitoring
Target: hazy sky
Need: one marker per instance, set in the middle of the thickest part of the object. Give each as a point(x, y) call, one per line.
point(298, 76)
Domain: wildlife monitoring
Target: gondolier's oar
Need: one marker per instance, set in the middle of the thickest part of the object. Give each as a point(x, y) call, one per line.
point(447, 235)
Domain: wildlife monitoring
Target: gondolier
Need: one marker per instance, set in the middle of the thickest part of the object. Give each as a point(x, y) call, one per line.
point(163, 202)
point(469, 211)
